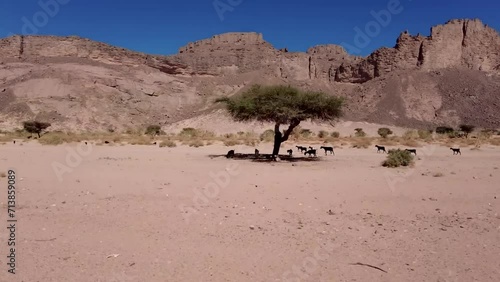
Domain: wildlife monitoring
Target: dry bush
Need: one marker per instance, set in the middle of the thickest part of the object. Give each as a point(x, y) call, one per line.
point(168, 143)
point(359, 132)
point(410, 134)
point(397, 158)
point(494, 141)
point(361, 143)
point(189, 134)
point(231, 142)
point(267, 136)
point(425, 134)
point(335, 134)
point(438, 174)
point(58, 137)
point(196, 143)
point(323, 134)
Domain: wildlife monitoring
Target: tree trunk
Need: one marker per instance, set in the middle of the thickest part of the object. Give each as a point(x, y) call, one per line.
point(38, 135)
point(279, 138)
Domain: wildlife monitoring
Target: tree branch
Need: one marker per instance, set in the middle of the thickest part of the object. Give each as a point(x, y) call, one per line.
point(294, 123)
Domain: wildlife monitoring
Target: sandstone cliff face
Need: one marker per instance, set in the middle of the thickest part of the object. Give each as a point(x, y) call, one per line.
point(458, 43)
point(449, 76)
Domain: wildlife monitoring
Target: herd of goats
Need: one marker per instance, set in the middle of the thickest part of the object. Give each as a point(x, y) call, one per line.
point(310, 151)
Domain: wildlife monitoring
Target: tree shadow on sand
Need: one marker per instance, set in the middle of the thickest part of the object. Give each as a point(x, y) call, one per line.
point(265, 158)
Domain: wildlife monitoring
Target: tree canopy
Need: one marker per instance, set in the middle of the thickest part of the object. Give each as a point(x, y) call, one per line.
point(35, 126)
point(282, 105)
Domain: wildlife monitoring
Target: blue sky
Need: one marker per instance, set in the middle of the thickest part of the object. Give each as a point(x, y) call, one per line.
point(162, 26)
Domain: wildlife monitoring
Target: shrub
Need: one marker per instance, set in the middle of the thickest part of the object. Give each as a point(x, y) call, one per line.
point(410, 134)
point(466, 128)
point(35, 127)
point(359, 132)
point(335, 134)
point(397, 158)
point(153, 130)
point(323, 134)
point(384, 132)
point(361, 143)
point(487, 133)
point(306, 133)
point(444, 129)
point(168, 143)
point(231, 142)
point(424, 134)
point(196, 143)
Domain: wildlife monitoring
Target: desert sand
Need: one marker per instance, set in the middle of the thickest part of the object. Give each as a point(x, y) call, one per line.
point(144, 213)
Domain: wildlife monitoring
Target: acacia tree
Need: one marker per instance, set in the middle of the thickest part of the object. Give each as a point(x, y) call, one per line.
point(467, 129)
point(35, 127)
point(282, 105)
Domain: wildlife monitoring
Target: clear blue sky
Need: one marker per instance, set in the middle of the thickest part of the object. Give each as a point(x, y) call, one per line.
point(162, 26)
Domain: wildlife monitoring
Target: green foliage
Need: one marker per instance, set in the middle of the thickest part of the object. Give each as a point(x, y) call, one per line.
point(466, 128)
point(444, 129)
point(397, 158)
point(282, 104)
point(335, 134)
point(359, 132)
point(384, 132)
point(35, 126)
point(153, 130)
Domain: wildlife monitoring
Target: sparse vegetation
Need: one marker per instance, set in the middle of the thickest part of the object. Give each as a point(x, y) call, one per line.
point(467, 129)
point(196, 143)
point(384, 132)
point(397, 158)
point(168, 143)
point(335, 134)
point(153, 130)
point(36, 127)
point(323, 134)
point(444, 130)
point(361, 143)
point(267, 136)
point(438, 174)
point(359, 132)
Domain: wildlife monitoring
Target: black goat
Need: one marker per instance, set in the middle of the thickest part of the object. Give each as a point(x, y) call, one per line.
point(230, 154)
point(310, 152)
point(301, 149)
point(380, 148)
point(290, 152)
point(414, 151)
point(456, 151)
point(327, 149)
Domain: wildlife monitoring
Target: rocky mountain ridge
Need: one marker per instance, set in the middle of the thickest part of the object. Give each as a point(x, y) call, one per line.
point(449, 77)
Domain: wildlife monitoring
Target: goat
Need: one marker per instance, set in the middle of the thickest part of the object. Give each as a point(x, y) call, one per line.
point(14, 141)
point(85, 142)
point(230, 154)
point(301, 149)
point(327, 149)
point(456, 151)
point(257, 152)
point(290, 152)
point(380, 148)
point(106, 142)
point(414, 151)
point(310, 152)
point(311, 148)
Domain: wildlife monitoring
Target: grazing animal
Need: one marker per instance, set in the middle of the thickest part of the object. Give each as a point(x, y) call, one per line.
point(290, 152)
point(414, 151)
point(380, 148)
point(230, 154)
point(14, 141)
point(106, 142)
point(257, 152)
point(456, 151)
point(154, 143)
point(301, 149)
point(310, 152)
point(85, 142)
point(327, 149)
point(311, 148)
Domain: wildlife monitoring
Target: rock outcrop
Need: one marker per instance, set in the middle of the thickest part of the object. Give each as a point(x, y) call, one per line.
point(458, 43)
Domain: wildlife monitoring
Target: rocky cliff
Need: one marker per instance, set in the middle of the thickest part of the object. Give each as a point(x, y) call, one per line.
point(451, 76)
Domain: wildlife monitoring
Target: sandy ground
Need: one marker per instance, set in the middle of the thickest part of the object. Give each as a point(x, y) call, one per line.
point(143, 213)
